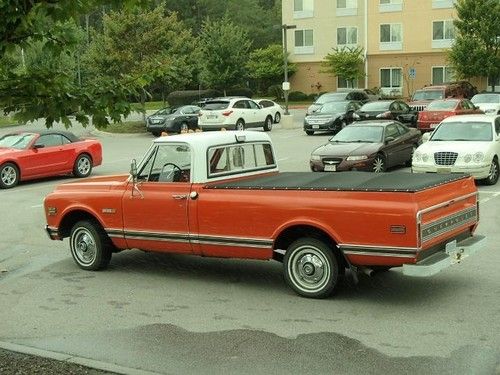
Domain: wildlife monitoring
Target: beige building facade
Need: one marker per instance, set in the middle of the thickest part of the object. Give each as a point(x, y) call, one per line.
point(405, 42)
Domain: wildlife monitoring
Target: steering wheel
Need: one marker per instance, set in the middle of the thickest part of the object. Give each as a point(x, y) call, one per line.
point(169, 175)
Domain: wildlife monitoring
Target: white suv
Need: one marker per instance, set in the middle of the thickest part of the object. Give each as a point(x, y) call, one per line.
point(234, 114)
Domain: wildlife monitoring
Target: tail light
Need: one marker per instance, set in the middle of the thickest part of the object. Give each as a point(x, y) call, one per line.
point(226, 113)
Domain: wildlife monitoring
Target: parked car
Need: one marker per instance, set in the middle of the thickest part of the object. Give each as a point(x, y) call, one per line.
point(173, 120)
point(372, 94)
point(460, 89)
point(388, 110)
point(27, 155)
point(331, 116)
point(367, 146)
point(438, 110)
point(462, 144)
point(488, 102)
point(338, 96)
point(275, 109)
point(235, 113)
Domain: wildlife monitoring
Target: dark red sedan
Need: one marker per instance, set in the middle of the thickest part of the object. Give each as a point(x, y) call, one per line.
point(29, 155)
point(438, 110)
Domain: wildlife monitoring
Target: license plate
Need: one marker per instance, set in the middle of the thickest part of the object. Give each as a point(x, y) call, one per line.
point(330, 168)
point(315, 126)
point(444, 170)
point(434, 125)
point(211, 116)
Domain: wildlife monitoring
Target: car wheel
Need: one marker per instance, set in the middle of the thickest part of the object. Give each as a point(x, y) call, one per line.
point(492, 178)
point(90, 246)
point(379, 164)
point(83, 166)
point(184, 128)
point(277, 118)
point(268, 124)
point(9, 175)
point(309, 132)
point(156, 134)
point(408, 162)
point(311, 268)
point(240, 125)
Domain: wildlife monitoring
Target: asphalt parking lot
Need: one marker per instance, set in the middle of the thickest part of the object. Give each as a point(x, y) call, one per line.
point(178, 314)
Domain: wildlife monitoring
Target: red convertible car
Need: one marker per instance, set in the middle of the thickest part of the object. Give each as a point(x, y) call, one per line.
point(27, 155)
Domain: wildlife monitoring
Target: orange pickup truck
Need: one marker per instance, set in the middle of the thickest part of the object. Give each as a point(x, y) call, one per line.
point(220, 194)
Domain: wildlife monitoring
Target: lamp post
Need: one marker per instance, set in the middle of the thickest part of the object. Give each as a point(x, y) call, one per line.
point(286, 84)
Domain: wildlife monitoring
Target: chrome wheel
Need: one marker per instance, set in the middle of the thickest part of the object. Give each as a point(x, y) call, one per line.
point(240, 125)
point(8, 176)
point(492, 178)
point(378, 164)
point(83, 166)
point(83, 246)
point(277, 117)
point(184, 128)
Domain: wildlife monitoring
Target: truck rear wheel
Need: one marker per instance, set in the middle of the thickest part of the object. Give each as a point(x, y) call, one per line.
point(90, 246)
point(311, 268)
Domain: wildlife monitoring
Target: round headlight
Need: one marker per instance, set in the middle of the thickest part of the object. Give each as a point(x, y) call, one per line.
point(478, 157)
point(467, 158)
point(425, 158)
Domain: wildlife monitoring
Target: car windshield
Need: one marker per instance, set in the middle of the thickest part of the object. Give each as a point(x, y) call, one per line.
point(427, 95)
point(164, 111)
point(463, 131)
point(375, 106)
point(216, 105)
point(332, 107)
point(330, 98)
point(18, 141)
point(442, 105)
point(359, 133)
point(486, 98)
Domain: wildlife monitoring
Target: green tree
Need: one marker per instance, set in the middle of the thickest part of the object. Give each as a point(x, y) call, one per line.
point(143, 46)
point(476, 50)
point(265, 66)
point(50, 90)
point(224, 49)
point(346, 63)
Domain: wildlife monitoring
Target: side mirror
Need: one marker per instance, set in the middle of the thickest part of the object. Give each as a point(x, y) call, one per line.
point(38, 145)
point(389, 139)
point(133, 170)
point(426, 136)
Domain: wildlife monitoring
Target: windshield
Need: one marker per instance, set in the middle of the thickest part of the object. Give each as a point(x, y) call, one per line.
point(332, 107)
point(486, 98)
point(463, 131)
point(427, 95)
point(376, 106)
point(359, 133)
point(164, 111)
point(442, 105)
point(330, 98)
point(18, 141)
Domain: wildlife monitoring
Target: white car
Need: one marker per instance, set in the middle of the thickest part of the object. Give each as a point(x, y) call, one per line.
point(275, 109)
point(488, 102)
point(234, 114)
point(462, 144)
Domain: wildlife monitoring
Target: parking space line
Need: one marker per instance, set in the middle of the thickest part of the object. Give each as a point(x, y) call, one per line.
point(37, 206)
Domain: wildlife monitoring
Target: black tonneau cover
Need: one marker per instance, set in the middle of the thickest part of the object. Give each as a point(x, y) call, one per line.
point(343, 181)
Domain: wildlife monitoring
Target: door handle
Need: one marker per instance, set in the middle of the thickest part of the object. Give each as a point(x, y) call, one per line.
point(179, 196)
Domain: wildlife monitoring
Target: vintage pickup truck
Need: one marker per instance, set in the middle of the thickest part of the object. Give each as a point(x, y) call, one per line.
point(220, 194)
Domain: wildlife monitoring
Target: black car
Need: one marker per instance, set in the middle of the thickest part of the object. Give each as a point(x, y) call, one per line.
point(387, 110)
point(339, 96)
point(173, 120)
point(331, 116)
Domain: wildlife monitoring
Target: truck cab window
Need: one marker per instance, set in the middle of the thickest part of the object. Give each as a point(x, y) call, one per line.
point(167, 163)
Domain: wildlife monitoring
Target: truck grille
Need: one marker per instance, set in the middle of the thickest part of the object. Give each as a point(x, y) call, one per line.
point(445, 158)
point(448, 223)
point(418, 108)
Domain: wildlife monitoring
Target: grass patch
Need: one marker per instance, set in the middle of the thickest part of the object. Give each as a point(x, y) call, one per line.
point(126, 127)
point(6, 121)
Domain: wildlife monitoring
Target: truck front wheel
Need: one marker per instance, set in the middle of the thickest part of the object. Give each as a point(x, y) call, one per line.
point(90, 246)
point(311, 268)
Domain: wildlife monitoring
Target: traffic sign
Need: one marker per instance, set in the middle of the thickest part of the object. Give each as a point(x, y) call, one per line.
point(412, 73)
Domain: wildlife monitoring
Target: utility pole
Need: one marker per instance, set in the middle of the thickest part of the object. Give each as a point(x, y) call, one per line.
point(286, 84)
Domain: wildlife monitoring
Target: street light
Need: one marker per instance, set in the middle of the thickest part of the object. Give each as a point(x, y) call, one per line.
point(286, 84)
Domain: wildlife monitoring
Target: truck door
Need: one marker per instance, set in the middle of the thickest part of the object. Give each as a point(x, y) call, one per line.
point(155, 209)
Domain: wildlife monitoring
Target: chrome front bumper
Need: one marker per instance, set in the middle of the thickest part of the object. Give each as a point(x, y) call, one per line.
point(453, 253)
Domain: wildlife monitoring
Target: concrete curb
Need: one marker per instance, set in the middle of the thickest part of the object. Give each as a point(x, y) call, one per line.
point(87, 362)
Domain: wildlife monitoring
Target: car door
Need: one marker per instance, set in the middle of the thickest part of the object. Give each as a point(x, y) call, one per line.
point(408, 142)
point(155, 210)
point(393, 145)
point(406, 114)
point(193, 117)
point(258, 114)
point(50, 154)
point(241, 110)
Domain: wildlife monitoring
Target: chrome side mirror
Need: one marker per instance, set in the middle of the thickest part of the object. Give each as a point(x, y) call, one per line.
point(133, 170)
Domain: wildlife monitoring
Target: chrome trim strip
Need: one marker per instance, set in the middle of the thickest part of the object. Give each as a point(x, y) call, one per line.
point(470, 211)
point(374, 254)
point(373, 248)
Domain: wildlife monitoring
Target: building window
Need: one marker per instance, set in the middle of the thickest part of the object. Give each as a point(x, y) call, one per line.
point(347, 36)
point(343, 83)
point(303, 9)
point(441, 74)
point(443, 34)
point(347, 8)
point(390, 81)
point(303, 42)
point(390, 6)
point(391, 37)
point(440, 4)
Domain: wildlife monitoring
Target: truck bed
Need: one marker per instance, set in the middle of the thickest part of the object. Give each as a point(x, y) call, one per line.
point(342, 181)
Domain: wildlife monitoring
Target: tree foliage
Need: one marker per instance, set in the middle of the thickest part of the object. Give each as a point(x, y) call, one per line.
point(476, 51)
point(224, 49)
point(345, 63)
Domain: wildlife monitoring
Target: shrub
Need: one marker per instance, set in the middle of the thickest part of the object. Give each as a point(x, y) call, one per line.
point(276, 92)
point(240, 91)
point(178, 98)
point(297, 96)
